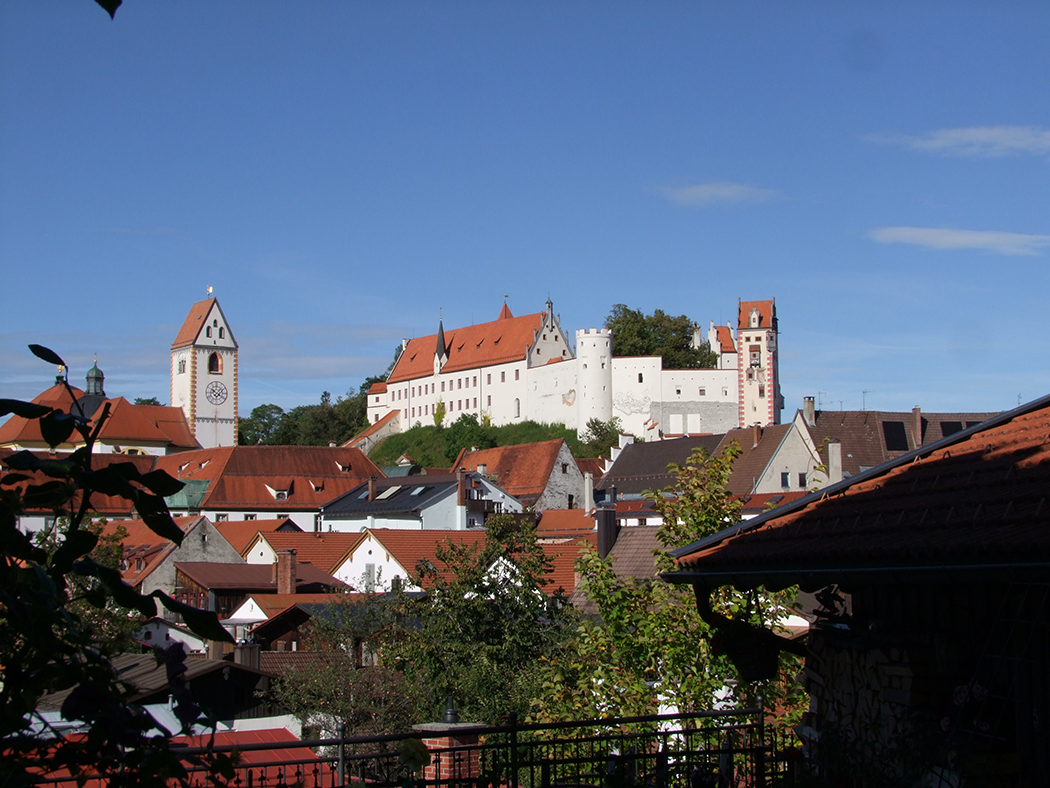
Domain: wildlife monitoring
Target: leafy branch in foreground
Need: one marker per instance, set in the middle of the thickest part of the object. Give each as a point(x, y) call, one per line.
point(48, 643)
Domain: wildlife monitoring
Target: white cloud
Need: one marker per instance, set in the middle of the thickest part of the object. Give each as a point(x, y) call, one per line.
point(983, 141)
point(716, 193)
point(946, 238)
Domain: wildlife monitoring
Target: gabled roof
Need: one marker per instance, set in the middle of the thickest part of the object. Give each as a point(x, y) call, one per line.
point(172, 422)
point(522, 470)
point(767, 313)
point(242, 477)
point(409, 547)
point(241, 533)
point(501, 341)
point(401, 495)
point(871, 437)
point(974, 504)
point(144, 550)
point(594, 465)
point(21, 431)
point(272, 604)
point(127, 424)
point(326, 550)
point(755, 456)
point(194, 323)
point(643, 466)
point(725, 339)
point(251, 577)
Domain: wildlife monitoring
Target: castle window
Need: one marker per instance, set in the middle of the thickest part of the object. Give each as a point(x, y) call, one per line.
point(517, 408)
point(639, 377)
point(475, 383)
point(442, 385)
point(502, 377)
point(703, 392)
point(517, 374)
point(762, 391)
point(459, 383)
point(214, 364)
point(488, 403)
point(488, 379)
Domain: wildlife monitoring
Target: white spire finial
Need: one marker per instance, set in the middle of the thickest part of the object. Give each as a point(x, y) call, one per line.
point(209, 291)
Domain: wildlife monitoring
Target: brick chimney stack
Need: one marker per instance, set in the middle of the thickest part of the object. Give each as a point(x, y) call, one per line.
point(916, 414)
point(284, 572)
point(809, 411)
point(371, 488)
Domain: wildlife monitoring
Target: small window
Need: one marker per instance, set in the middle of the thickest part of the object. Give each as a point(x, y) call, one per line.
point(182, 365)
point(442, 385)
point(222, 332)
point(639, 377)
point(896, 436)
point(517, 374)
point(207, 332)
point(502, 377)
point(459, 383)
point(517, 408)
point(214, 364)
point(703, 392)
point(221, 517)
point(488, 401)
point(565, 468)
point(785, 480)
point(488, 379)
point(762, 391)
point(249, 517)
point(802, 480)
point(475, 383)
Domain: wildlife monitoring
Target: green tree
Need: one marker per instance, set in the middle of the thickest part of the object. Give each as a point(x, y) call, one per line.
point(261, 425)
point(479, 632)
point(147, 401)
point(601, 436)
point(466, 432)
point(658, 334)
point(651, 646)
point(439, 413)
point(46, 645)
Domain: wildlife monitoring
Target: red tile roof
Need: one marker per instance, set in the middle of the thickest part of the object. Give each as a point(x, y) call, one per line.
point(409, 547)
point(522, 470)
point(724, 335)
point(19, 431)
point(595, 465)
point(324, 549)
point(501, 341)
point(563, 576)
point(142, 544)
point(172, 422)
point(251, 577)
point(767, 313)
point(193, 324)
point(241, 533)
point(976, 501)
point(564, 523)
point(239, 475)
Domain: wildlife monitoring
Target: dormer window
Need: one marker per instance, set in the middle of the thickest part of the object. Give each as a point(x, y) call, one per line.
point(755, 319)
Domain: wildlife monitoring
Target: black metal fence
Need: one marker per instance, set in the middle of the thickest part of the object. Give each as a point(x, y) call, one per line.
point(713, 749)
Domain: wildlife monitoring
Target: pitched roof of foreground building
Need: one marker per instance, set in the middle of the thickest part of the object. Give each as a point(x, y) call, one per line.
point(974, 502)
point(522, 470)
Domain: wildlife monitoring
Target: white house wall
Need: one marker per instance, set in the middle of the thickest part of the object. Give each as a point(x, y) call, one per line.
point(795, 455)
point(551, 394)
point(371, 551)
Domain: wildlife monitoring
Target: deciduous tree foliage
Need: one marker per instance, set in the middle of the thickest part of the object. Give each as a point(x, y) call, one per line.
point(651, 649)
point(47, 640)
point(658, 334)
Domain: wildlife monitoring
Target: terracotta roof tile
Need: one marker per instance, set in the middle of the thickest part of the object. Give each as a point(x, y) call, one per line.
point(251, 577)
point(144, 550)
point(522, 470)
point(241, 533)
point(324, 549)
point(409, 547)
point(501, 341)
point(767, 313)
point(595, 465)
point(975, 498)
point(193, 324)
point(19, 431)
point(562, 578)
point(564, 523)
point(725, 339)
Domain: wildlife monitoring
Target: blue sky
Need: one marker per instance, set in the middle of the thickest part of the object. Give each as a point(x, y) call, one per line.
point(342, 173)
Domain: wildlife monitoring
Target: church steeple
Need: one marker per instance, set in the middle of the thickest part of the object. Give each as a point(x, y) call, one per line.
point(441, 351)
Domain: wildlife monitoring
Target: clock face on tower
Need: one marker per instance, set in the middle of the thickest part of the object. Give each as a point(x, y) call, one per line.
point(216, 393)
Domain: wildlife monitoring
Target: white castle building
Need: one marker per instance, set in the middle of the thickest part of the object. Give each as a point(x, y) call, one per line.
point(523, 368)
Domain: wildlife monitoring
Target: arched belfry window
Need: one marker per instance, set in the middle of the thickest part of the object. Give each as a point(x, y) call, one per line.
point(182, 366)
point(214, 364)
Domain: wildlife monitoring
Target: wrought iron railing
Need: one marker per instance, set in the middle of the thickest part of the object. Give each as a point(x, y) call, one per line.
point(700, 750)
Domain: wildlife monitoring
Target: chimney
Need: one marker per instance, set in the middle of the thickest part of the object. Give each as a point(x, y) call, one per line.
point(834, 462)
point(916, 415)
point(284, 572)
point(756, 434)
point(588, 491)
point(461, 488)
point(483, 469)
point(608, 530)
point(246, 654)
point(371, 488)
point(809, 411)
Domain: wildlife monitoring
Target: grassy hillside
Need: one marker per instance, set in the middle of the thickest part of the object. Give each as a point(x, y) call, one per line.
point(438, 447)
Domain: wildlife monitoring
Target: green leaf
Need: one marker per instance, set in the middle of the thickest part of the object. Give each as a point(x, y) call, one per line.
point(123, 594)
point(48, 355)
point(27, 410)
point(76, 545)
point(161, 483)
point(154, 512)
point(112, 480)
point(56, 427)
point(202, 622)
point(49, 495)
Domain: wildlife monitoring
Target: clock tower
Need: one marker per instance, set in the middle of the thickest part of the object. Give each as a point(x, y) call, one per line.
point(204, 375)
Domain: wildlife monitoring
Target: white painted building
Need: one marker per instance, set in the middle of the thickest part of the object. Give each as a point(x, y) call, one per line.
point(523, 368)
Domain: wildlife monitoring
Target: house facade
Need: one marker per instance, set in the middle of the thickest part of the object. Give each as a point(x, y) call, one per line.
point(524, 368)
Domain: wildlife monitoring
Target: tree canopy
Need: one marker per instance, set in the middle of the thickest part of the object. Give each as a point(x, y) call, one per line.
point(658, 334)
